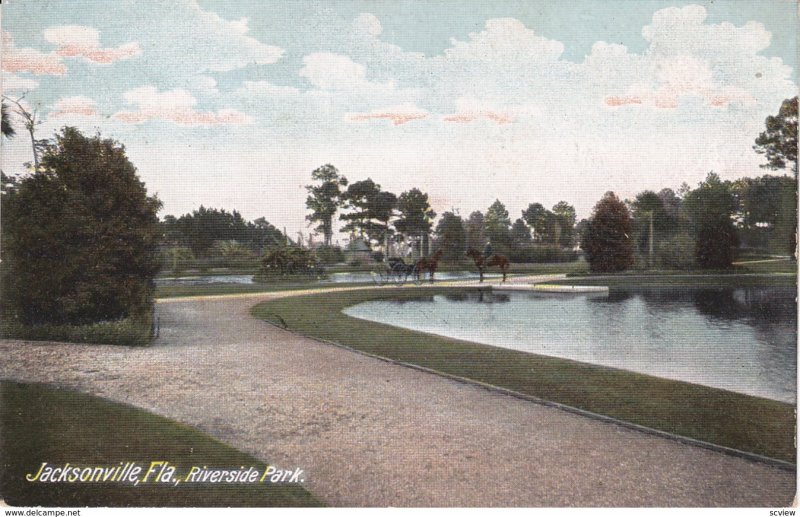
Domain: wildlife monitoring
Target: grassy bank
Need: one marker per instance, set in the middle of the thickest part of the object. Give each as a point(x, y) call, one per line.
point(41, 424)
point(733, 420)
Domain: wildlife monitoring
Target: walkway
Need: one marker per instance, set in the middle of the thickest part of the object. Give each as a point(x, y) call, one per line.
point(369, 433)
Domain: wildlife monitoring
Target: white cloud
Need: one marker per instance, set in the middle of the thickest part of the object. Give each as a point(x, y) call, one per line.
point(30, 60)
point(205, 85)
point(77, 105)
point(224, 45)
point(12, 82)
point(84, 42)
point(369, 24)
point(505, 39)
point(719, 63)
point(337, 72)
point(176, 106)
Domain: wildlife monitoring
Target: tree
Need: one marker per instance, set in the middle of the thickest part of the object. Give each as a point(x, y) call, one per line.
point(416, 217)
point(520, 234)
point(779, 141)
point(370, 210)
point(607, 240)
point(498, 226)
point(564, 215)
point(476, 230)
point(324, 199)
point(767, 211)
point(382, 208)
point(710, 208)
point(31, 120)
point(7, 128)
point(452, 236)
point(80, 236)
point(649, 212)
point(204, 227)
point(542, 221)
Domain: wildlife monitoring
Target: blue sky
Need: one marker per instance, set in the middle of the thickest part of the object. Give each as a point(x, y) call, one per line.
point(233, 103)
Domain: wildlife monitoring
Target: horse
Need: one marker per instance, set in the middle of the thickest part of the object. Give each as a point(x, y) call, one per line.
point(429, 264)
point(481, 262)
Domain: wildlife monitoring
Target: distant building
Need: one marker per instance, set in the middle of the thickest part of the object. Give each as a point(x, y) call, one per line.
point(357, 251)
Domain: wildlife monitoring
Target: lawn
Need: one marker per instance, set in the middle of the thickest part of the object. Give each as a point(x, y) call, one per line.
point(721, 417)
point(42, 424)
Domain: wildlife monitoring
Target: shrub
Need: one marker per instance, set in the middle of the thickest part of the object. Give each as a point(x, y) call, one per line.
point(541, 254)
point(80, 236)
point(131, 331)
point(330, 254)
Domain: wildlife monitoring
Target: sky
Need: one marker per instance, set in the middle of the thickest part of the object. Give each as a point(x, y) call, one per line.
point(232, 103)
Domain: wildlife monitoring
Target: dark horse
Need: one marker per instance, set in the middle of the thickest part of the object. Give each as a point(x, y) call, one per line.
point(429, 264)
point(482, 262)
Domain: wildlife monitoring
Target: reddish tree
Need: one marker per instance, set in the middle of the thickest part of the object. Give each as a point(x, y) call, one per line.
point(607, 240)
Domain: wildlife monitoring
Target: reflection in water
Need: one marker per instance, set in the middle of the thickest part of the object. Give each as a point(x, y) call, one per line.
point(481, 296)
point(332, 278)
point(742, 339)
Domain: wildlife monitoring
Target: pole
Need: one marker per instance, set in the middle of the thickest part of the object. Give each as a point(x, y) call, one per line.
point(651, 239)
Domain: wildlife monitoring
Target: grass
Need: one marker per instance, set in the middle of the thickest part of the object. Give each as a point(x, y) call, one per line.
point(769, 266)
point(41, 424)
point(222, 289)
point(725, 418)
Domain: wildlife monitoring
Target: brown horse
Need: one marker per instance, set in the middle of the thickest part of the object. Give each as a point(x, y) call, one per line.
point(482, 262)
point(429, 264)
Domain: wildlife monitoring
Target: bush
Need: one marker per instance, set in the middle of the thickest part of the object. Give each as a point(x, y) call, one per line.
point(541, 254)
point(675, 253)
point(80, 236)
point(330, 254)
point(286, 262)
point(131, 331)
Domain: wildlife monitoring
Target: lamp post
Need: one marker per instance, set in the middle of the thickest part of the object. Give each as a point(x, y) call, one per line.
point(650, 258)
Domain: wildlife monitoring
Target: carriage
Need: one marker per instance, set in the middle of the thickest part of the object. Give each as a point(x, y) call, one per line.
point(396, 271)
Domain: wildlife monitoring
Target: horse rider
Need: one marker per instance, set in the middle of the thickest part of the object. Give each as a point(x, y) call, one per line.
point(487, 250)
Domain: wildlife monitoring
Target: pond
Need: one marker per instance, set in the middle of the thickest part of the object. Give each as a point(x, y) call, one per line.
point(332, 278)
point(742, 340)
point(205, 280)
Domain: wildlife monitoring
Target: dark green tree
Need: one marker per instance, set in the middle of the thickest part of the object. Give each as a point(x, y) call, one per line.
point(324, 199)
point(564, 215)
point(542, 221)
point(778, 142)
point(710, 209)
point(520, 234)
point(370, 210)
point(649, 205)
point(204, 227)
point(451, 234)
point(7, 128)
point(607, 239)
point(80, 236)
point(415, 219)
point(767, 212)
point(498, 226)
point(476, 230)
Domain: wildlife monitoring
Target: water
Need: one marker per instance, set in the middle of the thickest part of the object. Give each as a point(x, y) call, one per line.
point(356, 277)
point(742, 340)
point(205, 280)
point(332, 278)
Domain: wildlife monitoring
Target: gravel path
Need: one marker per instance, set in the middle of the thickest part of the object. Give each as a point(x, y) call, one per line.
point(369, 433)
